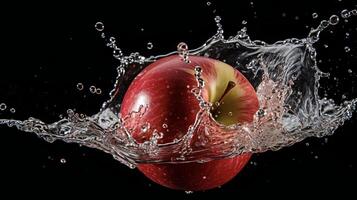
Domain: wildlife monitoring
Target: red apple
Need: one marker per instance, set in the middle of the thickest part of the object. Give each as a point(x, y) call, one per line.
point(165, 88)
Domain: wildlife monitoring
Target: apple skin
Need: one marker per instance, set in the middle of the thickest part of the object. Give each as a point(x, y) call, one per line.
point(165, 88)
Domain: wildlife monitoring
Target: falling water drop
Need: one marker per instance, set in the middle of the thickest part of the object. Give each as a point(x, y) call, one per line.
point(98, 91)
point(92, 89)
point(334, 20)
point(164, 126)
point(347, 49)
point(80, 86)
point(2, 106)
point(345, 14)
point(99, 26)
point(12, 110)
point(149, 45)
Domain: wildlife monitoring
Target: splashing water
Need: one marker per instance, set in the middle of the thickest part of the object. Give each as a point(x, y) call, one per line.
point(284, 74)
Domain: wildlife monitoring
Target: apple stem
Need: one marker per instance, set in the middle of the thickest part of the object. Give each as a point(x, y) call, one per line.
point(229, 87)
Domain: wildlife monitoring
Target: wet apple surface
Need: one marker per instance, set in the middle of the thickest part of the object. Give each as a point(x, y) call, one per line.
point(165, 88)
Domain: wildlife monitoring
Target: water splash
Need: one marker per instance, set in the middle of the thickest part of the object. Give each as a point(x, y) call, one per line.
point(284, 74)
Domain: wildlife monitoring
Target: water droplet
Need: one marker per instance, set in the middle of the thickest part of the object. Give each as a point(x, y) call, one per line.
point(117, 53)
point(149, 45)
point(347, 49)
point(98, 91)
point(99, 26)
point(142, 29)
point(164, 126)
point(345, 13)
point(2, 106)
point(208, 3)
point(354, 12)
point(80, 86)
point(316, 157)
point(92, 89)
point(334, 20)
point(198, 69)
point(217, 19)
point(145, 127)
point(349, 71)
point(12, 110)
point(315, 15)
point(261, 113)
point(230, 114)
point(326, 140)
point(182, 47)
point(307, 144)
point(244, 22)
point(112, 39)
point(63, 161)
point(347, 35)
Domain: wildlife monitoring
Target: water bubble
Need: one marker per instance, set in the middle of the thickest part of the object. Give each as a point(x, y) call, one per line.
point(315, 15)
point(347, 49)
point(63, 161)
point(164, 126)
point(149, 45)
point(244, 22)
point(80, 86)
point(99, 26)
point(98, 91)
point(345, 14)
point(208, 3)
point(12, 110)
point(334, 20)
point(2, 106)
point(307, 144)
point(92, 89)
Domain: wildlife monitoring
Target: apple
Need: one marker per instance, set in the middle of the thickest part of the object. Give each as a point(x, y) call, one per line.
point(164, 87)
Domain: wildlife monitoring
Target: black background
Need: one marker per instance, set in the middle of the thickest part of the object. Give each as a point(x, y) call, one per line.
point(48, 48)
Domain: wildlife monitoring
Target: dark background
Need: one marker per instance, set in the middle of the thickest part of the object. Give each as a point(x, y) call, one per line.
point(48, 48)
